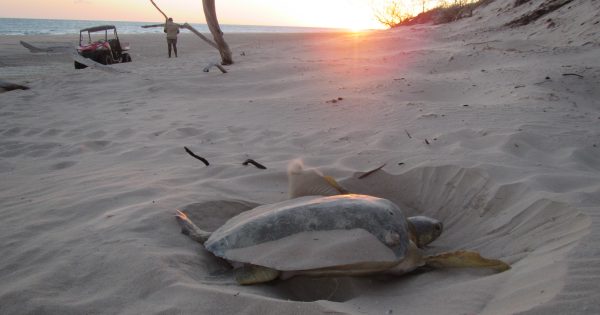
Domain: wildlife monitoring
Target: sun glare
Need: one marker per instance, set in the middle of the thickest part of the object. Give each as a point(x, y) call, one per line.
point(353, 15)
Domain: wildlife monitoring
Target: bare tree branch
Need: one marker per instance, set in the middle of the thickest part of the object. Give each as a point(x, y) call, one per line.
point(391, 14)
point(153, 25)
point(159, 10)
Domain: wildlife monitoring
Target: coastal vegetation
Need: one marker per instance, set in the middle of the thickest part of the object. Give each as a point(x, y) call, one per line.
point(394, 13)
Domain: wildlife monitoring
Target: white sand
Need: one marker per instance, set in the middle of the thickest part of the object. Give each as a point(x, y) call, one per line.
point(92, 164)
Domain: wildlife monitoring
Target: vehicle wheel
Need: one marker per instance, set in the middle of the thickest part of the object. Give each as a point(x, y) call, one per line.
point(107, 60)
point(126, 58)
point(79, 65)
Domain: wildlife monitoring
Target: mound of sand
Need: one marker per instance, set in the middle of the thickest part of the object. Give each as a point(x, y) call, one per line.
point(490, 128)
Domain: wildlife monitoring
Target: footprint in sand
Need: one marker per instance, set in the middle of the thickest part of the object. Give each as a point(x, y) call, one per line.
point(12, 132)
point(95, 145)
point(51, 132)
point(96, 134)
point(62, 165)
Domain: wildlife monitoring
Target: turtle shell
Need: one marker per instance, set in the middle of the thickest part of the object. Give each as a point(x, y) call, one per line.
point(314, 232)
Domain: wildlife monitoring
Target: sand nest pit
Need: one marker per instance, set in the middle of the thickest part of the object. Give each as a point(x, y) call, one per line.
point(505, 221)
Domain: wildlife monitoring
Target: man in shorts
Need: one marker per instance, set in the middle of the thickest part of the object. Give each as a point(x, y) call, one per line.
point(172, 29)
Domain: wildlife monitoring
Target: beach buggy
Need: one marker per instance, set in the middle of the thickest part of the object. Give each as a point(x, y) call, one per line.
point(101, 48)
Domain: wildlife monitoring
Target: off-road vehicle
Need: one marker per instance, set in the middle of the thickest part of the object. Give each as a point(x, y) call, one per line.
point(100, 48)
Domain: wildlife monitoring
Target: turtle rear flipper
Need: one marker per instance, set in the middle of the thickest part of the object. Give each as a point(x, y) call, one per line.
point(465, 259)
point(252, 274)
point(190, 229)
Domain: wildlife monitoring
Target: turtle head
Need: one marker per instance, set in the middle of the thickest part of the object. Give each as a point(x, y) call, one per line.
point(424, 230)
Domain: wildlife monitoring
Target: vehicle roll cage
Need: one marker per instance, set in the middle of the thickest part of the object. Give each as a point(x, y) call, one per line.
point(95, 29)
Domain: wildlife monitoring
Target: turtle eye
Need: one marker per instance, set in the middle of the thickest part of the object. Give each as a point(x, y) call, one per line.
point(438, 227)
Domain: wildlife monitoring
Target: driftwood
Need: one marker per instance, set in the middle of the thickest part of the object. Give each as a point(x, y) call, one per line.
point(189, 27)
point(253, 162)
point(94, 65)
point(213, 25)
point(72, 52)
point(214, 64)
point(195, 31)
point(51, 49)
point(205, 161)
point(185, 25)
point(153, 25)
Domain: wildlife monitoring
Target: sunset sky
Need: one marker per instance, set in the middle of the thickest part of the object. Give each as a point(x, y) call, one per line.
point(350, 14)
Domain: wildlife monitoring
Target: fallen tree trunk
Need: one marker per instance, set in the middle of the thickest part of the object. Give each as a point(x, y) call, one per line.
point(204, 38)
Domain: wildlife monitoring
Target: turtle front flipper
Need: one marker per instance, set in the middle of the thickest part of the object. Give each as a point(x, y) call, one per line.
point(190, 229)
point(465, 259)
point(333, 183)
point(252, 274)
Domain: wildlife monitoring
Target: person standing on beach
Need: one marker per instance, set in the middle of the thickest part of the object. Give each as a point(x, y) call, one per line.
point(172, 29)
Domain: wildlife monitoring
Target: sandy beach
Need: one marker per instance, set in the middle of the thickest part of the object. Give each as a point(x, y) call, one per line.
point(493, 130)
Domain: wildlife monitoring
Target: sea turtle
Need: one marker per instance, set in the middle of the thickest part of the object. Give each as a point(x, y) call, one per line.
point(341, 235)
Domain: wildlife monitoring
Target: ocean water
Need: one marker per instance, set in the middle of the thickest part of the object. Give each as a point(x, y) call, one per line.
point(11, 26)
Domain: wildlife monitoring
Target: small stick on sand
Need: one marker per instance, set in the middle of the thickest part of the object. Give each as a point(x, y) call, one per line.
point(408, 134)
point(481, 43)
point(371, 172)
point(7, 86)
point(253, 162)
point(205, 161)
point(575, 74)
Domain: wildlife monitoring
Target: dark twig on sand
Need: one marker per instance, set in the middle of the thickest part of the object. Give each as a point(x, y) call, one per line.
point(408, 134)
point(205, 161)
point(481, 43)
point(574, 74)
point(371, 172)
point(7, 86)
point(253, 162)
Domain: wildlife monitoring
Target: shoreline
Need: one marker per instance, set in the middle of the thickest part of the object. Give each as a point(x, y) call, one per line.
point(132, 27)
